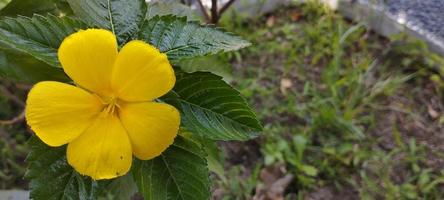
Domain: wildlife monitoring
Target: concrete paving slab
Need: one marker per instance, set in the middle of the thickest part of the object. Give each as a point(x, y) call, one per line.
point(14, 195)
point(423, 19)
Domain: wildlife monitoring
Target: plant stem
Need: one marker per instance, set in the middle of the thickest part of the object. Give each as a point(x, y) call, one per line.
point(204, 10)
point(11, 96)
point(214, 12)
point(14, 120)
point(226, 6)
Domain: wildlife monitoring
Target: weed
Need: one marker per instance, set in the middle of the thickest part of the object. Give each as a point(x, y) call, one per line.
point(326, 91)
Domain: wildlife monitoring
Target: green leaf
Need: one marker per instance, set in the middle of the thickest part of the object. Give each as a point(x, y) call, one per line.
point(52, 178)
point(24, 68)
point(211, 64)
point(180, 173)
point(122, 17)
point(31, 7)
point(3, 3)
point(180, 39)
point(214, 159)
point(309, 170)
point(213, 109)
point(120, 188)
point(38, 36)
point(161, 8)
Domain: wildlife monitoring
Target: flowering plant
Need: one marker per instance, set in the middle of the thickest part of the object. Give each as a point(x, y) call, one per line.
point(112, 106)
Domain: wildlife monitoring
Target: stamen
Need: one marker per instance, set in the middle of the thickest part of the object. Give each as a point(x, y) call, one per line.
point(110, 106)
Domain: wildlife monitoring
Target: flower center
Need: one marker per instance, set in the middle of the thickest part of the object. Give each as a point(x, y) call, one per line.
point(111, 105)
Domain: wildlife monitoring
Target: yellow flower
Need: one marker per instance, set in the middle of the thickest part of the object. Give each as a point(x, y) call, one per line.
point(111, 114)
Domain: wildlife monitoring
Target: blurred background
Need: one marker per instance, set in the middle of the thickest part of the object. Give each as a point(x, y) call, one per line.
point(350, 93)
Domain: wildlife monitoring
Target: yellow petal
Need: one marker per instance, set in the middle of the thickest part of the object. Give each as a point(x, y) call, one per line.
point(58, 112)
point(141, 73)
point(103, 151)
point(151, 127)
point(88, 57)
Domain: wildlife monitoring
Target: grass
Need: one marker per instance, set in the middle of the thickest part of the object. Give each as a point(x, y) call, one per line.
point(338, 103)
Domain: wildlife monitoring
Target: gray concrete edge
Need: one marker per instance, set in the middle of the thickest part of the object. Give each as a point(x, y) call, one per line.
point(386, 24)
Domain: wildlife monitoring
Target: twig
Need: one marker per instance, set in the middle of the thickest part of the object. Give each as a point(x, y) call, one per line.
point(225, 7)
point(22, 86)
point(14, 120)
point(204, 10)
point(5, 92)
point(11, 96)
